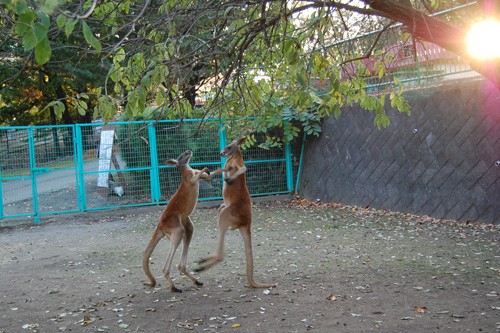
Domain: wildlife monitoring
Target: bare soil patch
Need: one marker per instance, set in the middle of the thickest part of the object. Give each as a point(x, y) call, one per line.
point(338, 269)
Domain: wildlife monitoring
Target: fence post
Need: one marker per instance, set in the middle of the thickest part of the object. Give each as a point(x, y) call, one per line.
point(299, 171)
point(289, 167)
point(80, 176)
point(222, 144)
point(1, 191)
point(34, 189)
point(154, 176)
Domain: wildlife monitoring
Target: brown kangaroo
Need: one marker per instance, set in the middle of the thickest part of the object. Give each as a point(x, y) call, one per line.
point(175, 222)
point(235, 212)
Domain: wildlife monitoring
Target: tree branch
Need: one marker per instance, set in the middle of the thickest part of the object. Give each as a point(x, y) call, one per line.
point(432, 30)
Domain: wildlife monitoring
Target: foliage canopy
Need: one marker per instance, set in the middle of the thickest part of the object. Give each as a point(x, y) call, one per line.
point(270, 60)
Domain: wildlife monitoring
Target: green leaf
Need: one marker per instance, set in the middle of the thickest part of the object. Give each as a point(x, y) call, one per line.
point(105, 108)
point(48, 6)
point(29, 40)
point(61, 21)
point(315, 97)
point(114, 73)
point(40, 31)
point(118, 89)
point(24, 22)
point(381, 120)
point(146, 80)
point(379, 69)
point(159, 98)
point(81, 107)
point(382, 100)
point(142, 96)
point(35, 34)
point(302, 77)
point(337, 111)
point(20, 7)
point(69, 26)
point(58, 108)
point(44, 21)
point(43, 52)
point(119, 56)
point(290, 49)
point(90, 38)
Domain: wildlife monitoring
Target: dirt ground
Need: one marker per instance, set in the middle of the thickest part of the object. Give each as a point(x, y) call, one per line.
point(338, 269)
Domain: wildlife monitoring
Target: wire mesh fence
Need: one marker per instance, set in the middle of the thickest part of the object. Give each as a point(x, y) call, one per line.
point(47, 170)
point(30, 159)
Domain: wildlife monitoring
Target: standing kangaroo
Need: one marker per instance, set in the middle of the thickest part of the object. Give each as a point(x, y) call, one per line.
point(235, 212)
point(175, 222)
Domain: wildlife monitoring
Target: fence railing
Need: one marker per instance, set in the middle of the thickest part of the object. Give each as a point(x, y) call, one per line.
point(47, 170)
point(413, 62)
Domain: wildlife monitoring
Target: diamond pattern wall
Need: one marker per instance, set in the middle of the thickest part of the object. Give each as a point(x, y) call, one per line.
point(442, 160)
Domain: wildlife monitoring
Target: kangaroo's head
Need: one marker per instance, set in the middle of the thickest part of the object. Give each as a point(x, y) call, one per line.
point(232, 148)
point(182, 161)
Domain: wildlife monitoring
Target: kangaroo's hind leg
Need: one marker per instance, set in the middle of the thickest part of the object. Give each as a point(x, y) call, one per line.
point(188, 235)
point(175, 239)
point(246, 234)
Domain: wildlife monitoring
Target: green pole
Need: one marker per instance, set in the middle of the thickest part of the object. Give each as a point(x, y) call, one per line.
point(289, 167)
point(34, 172)
point(155, 174)
point(1, 191)
point(222, 144)
point(80, 177)
point(299, 171)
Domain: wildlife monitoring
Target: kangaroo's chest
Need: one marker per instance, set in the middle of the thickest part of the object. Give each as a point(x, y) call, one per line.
point(231, 170)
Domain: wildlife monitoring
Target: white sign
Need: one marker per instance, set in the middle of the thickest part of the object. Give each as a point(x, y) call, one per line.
point(105, 152)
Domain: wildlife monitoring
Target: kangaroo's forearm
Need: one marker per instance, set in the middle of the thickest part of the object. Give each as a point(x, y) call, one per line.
point(241, 170)
point(213, 174)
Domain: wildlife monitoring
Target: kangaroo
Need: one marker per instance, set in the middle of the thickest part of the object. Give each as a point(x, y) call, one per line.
point(235, 212)
point(175, 222)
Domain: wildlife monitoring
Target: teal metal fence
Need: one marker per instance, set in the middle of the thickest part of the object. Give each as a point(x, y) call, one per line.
point(47, 170)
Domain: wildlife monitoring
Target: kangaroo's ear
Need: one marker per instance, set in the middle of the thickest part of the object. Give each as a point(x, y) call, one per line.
point(242, 140)
point(172, 161)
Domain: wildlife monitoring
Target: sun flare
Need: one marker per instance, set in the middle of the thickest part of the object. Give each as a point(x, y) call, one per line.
point(482, 40)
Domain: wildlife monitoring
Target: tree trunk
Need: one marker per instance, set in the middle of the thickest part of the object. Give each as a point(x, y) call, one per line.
point(432, 30)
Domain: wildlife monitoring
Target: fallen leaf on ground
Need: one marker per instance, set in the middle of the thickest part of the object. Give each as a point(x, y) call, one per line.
point(30, 326)
point(185, 325)
point(421, 309)
point(86, 320)
point(332, 297)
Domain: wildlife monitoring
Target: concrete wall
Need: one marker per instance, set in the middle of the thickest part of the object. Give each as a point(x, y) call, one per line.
point(443, 160)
